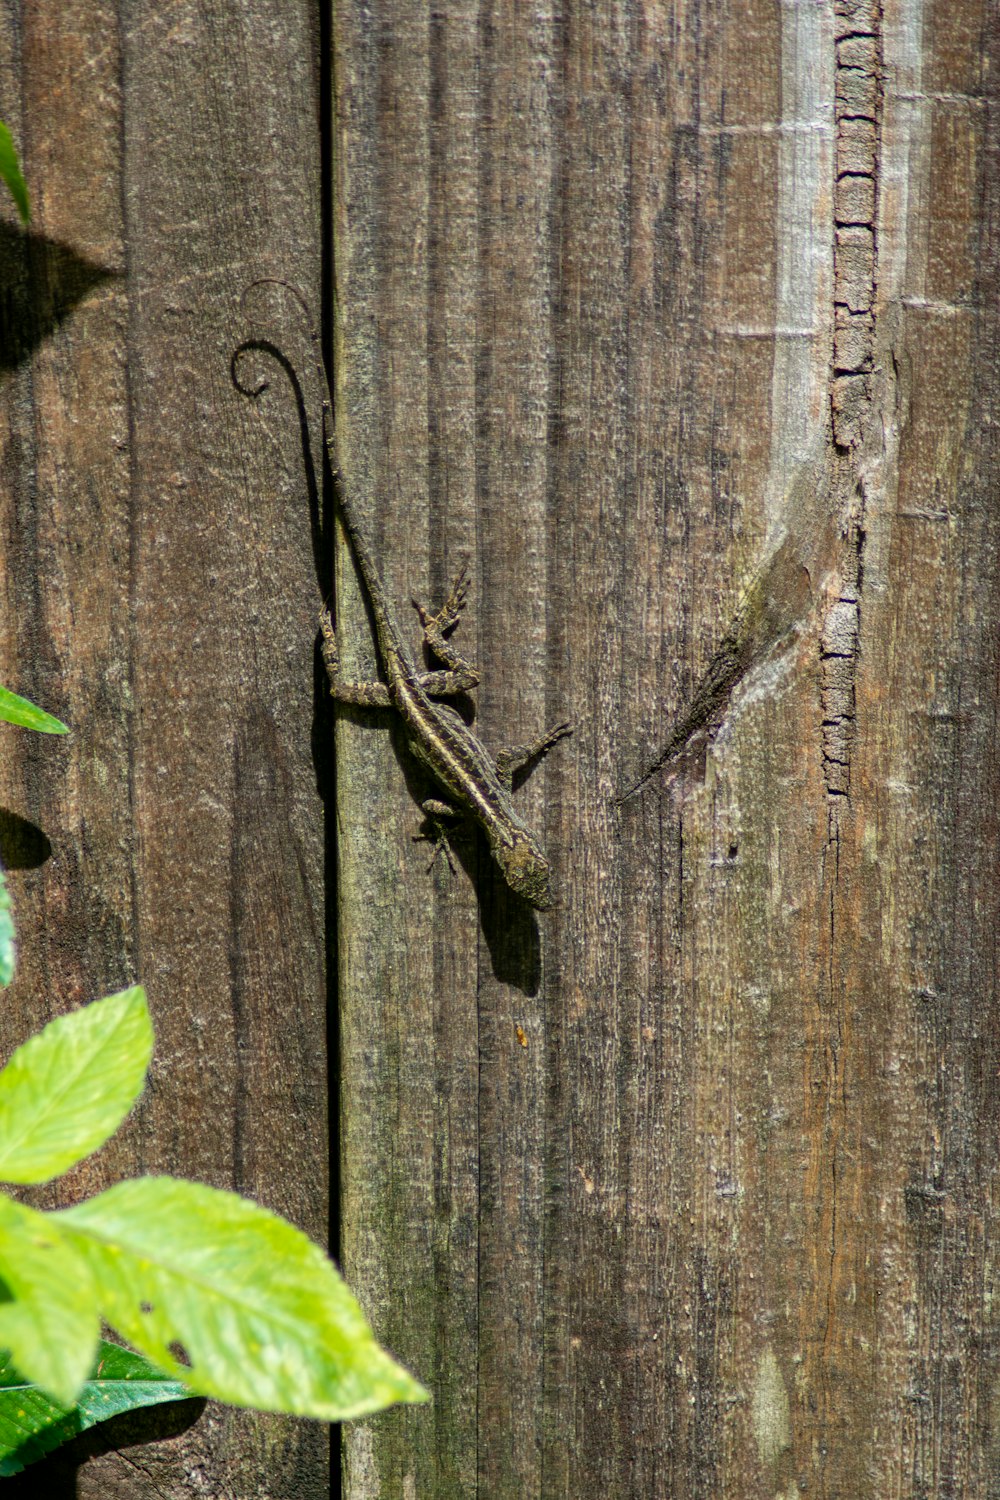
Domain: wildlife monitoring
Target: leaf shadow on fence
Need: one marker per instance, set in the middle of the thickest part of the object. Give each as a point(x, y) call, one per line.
point(41, 282)
point(56, 1475)
point(23, 845)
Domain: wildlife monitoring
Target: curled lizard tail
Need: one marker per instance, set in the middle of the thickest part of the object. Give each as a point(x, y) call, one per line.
point(351, 524)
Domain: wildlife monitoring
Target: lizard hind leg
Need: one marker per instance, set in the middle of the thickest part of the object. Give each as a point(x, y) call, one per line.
point(509, 762)
point(436, 812)
point(363, 694)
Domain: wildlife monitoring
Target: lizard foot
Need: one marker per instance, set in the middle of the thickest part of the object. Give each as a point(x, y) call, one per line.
point(435, 811)
point(447, 617)
point(509, 762)
point(437, 628)
point(331, 652)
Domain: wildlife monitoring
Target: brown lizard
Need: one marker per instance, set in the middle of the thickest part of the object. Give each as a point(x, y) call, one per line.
point(475, 781)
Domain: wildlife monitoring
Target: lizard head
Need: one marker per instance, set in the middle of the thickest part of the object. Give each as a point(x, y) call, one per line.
point(526, 871)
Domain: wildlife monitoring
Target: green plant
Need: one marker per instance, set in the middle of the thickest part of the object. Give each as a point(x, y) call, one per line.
point(15, 710)
point(11, 174)
point(32, 1424)
point(223, 1297)
point(215, 1290)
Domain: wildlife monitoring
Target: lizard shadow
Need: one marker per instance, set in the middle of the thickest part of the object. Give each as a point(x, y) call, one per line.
point(508, 922)
point(510, 929)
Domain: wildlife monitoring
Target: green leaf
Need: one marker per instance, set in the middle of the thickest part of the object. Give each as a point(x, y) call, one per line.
point(10, 171)
point(31, 1425)
point(48, 1314)
point(7, 949)
point(233, 1300)
point(19, 711)
point(68, 1088)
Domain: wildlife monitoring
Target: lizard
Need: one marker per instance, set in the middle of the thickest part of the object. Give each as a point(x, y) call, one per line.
point(477, 783)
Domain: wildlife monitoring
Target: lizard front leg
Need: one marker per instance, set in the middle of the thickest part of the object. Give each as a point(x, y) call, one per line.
point(365, 694)
point(463, 675)
point(509, 761)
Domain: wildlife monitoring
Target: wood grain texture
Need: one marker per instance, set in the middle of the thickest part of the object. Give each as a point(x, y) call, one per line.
point(160, 594)
point(682, 319)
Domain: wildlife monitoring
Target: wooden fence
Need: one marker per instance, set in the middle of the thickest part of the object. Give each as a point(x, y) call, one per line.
point(680, 322)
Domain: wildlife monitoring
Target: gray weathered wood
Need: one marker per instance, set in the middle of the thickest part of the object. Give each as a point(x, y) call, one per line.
point(160, 593)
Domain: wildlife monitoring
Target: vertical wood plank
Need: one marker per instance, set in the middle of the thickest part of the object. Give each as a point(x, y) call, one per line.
point(733, 277)
point(405, 226)
point(160, 586)
point(519, 101)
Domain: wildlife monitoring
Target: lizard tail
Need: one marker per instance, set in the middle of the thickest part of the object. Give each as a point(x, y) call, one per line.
point(351, 524)
point(329, 437)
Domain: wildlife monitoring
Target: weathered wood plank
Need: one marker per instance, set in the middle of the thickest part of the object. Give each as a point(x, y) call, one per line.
point(725, 278)
point(160, 591)
point(406, 418)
